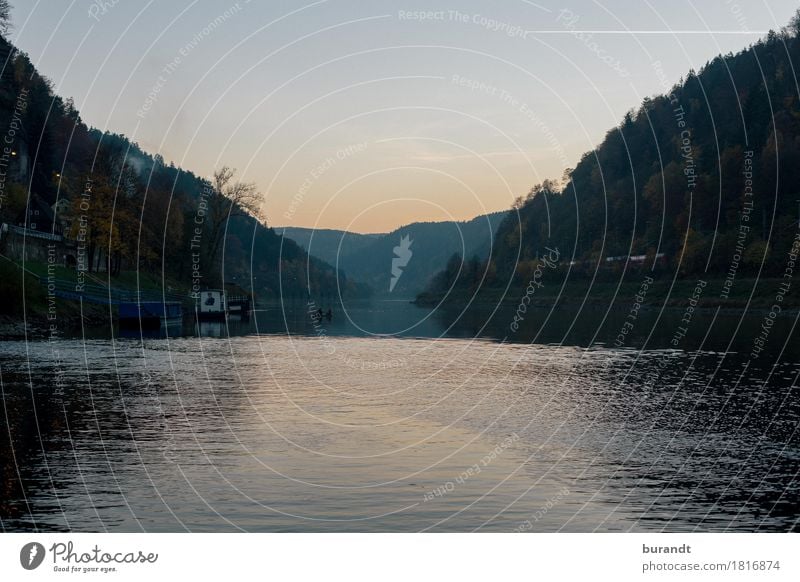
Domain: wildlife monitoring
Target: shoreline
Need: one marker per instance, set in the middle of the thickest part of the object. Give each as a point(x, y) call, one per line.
point(38, 327)
point(618, 295)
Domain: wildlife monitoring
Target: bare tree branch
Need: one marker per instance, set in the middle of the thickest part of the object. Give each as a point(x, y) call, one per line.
point(229, 200)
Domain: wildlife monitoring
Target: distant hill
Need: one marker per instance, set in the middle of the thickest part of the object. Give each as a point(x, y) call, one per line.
point(329, 245)
point(367, 258)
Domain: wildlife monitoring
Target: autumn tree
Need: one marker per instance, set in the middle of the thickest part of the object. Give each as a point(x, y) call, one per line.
point(228, 199)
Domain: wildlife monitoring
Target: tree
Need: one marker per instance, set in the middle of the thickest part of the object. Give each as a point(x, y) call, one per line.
point(228, 200)
point(5, 16)
point(755, 253)
point(92, 225)
point(793, 27)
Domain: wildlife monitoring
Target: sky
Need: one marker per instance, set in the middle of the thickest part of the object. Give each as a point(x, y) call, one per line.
point(367, 115)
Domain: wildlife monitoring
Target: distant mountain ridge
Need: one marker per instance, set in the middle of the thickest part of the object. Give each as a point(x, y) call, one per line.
point(326, 242)
point(368, 258)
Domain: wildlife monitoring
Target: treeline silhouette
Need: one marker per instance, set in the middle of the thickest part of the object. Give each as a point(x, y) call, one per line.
point(701, 181)
point(132, 210)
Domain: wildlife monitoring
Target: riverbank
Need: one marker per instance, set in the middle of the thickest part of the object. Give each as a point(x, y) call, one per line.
point(746, 294)
point(35, 323)
point(28, 311)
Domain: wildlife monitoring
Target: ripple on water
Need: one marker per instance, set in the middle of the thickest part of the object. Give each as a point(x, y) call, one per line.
point(272, 433)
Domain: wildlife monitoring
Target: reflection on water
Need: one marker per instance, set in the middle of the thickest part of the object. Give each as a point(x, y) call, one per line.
point(391, 417)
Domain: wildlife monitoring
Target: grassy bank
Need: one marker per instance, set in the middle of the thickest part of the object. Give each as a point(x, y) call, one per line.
point(26, 309)
point(127, 280)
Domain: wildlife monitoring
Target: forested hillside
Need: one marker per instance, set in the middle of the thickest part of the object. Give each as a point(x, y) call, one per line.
point(702, 181)
point(121, 209)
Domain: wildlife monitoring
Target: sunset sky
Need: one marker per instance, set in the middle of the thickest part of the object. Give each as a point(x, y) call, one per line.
point(368, 115)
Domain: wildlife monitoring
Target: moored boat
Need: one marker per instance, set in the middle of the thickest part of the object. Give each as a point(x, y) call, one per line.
point(211, 304)
point(150, 314)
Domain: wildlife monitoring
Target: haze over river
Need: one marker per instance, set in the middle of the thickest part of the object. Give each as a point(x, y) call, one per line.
point(397, 418)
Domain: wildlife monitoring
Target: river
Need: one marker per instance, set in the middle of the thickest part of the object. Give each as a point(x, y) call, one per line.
point(391, 417)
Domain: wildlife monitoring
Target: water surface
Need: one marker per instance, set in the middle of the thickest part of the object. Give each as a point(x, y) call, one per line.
point(396, 418)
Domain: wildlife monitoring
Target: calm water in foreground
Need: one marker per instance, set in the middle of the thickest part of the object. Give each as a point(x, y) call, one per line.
point(396, 418)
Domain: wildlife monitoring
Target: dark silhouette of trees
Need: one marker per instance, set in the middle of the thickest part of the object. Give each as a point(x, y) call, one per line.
point(681, 175)
point(138, 212)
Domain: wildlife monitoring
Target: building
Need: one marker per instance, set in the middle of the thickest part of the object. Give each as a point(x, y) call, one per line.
point(39, 217)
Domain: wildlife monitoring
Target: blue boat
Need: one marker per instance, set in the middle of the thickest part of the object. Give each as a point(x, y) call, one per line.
point(150, 314)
